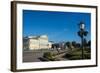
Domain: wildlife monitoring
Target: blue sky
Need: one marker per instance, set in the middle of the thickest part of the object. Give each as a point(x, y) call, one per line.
point(58, 26)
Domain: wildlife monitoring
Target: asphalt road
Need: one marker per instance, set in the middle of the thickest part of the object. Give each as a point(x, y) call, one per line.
point(35, 55)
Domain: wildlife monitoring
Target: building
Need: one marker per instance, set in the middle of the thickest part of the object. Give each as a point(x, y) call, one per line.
point(36, 42)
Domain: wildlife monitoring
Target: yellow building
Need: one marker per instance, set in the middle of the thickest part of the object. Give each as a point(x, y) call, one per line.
point(36, 42)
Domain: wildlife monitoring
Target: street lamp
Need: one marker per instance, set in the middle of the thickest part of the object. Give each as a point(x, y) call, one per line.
point(82, 33)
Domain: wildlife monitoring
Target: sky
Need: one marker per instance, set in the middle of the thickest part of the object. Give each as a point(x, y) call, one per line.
point(58, 26)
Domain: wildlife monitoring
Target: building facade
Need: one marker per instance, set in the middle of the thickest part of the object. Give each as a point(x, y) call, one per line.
point(36, 42)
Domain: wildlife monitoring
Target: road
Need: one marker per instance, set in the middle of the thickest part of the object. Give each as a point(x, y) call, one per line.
point(35, 55)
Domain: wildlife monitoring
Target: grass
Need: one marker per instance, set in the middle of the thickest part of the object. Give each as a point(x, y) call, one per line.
point(77, 54)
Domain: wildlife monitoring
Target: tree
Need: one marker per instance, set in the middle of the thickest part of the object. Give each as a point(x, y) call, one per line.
point(56, 46)
point(68, 44)
point(78, 45)
point(74, 44)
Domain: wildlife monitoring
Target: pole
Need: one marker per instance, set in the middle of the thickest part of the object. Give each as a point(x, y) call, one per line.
point(82, 41)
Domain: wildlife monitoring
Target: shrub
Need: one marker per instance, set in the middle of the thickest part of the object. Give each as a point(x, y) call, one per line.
point(49, 56)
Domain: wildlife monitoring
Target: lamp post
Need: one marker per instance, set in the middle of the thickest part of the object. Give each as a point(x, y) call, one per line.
point(82, 33)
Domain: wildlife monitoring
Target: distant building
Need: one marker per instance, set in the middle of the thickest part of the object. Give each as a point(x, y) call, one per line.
point(36, 42)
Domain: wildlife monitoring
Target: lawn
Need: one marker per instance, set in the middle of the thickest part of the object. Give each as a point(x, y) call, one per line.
point(77, 54)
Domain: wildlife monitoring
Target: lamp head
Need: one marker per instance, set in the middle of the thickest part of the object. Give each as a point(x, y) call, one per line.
point(82, 26)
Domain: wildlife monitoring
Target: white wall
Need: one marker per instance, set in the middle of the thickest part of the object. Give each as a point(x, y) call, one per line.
point(5, 37)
